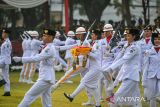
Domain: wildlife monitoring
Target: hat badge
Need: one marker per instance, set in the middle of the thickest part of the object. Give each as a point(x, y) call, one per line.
point(127, 30)
point(45, 31)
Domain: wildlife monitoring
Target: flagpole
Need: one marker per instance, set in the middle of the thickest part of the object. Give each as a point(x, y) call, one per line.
point(66, 16)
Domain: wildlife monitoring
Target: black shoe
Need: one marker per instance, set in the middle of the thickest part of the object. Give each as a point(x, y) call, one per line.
point(98, 106)
point(113, 79)
point(2, 82)
point(68, 97)
point(7, 94)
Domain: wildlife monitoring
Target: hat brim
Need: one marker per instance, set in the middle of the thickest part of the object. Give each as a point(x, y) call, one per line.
point(80, 32)
point(34, 35)
point(70, 35)
point(107, 30)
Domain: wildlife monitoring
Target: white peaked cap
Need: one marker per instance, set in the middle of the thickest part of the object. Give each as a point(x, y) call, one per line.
point(80, 30)
point(34, 34)
point(107, 27)
point(70, 33)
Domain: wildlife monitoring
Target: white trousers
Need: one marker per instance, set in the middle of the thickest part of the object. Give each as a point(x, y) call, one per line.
point(82, 71)
point(100, 86)
point(128, 88)
point(5, 76)
point(152, 90)
point(92, 92)
point(32, 70)
point(40, 88)
point(1, 74)
point(27, 70)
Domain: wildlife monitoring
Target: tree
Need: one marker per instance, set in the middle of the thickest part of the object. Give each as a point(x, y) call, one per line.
point(145, 4)
point(126, 11)
point(93, 8)
point(5, 17)
point(158, 7)
point(123, 8)
point(35, 16)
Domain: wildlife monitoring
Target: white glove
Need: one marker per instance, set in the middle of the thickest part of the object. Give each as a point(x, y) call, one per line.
point(17, 59)
point(107, 54)
point(57, 47)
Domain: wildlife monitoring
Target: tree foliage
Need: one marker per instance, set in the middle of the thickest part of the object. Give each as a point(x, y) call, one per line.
point(123, 8)
point(93, 8)
point(35, 16)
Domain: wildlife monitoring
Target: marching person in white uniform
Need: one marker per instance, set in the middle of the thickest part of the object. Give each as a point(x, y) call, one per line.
point(24, 39)
point(80, 63)
point(69, 41)
point(90, 79)
point(130, 62)
point(151, 73)
point(145, 43)
point(35, 48)
point(107, 58)
point(5, 60)
point(121, 49)
point(46, 72)
point(27, 53)
point(80, 35)
point(58, 42)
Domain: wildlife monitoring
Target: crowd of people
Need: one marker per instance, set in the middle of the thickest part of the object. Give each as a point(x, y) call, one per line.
point(122, 64)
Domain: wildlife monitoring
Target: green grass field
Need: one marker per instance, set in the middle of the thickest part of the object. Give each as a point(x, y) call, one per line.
point(58, 100)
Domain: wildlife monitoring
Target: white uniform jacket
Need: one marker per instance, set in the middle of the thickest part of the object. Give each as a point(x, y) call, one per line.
point(94, 59)
point(35, 46)
point(151, 65)
point(24, 46)
point(46, 58)
point(69, 41)
point(144, 47)
point(6, 49)
point(58, 42)
point(107, 56)
point(28, 47)
point(130, 62)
